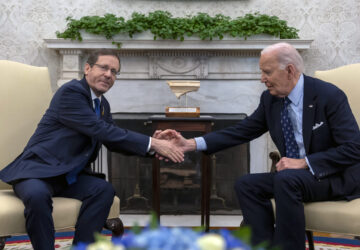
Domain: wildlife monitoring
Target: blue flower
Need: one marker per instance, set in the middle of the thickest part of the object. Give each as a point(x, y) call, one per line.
point(231, 241)
point(163, 238)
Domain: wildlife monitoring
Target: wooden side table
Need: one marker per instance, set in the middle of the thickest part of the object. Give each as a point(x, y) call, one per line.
point(201, 124)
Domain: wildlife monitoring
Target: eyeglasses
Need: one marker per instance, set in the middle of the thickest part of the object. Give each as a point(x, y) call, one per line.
point(106, 68)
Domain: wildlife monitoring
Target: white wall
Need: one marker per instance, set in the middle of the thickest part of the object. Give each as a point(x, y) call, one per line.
point(333, 24)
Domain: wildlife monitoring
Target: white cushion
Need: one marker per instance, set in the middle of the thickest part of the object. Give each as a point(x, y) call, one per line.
point(338, 217)
point(347, 79)
point(341, 217)
point(65, 213)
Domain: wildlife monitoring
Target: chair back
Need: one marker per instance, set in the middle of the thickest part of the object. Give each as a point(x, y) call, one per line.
point(25, 93)
point(346, 78)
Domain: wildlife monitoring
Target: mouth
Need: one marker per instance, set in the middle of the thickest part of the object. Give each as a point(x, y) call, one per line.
point(105, 84)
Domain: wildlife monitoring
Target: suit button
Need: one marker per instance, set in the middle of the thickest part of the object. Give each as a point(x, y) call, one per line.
point(86, 155)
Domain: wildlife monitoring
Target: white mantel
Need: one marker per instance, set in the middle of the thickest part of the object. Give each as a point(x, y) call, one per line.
point(171, 56)
point(146, 43)
point(227, 69)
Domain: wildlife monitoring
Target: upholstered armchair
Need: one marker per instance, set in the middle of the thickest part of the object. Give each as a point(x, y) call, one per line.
point(25, 93)
point(337, 217)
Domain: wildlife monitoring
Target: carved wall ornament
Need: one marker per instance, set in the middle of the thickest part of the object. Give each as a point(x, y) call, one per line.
point(178, 67)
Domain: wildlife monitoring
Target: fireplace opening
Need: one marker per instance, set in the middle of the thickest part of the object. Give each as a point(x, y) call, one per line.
point(180, 184)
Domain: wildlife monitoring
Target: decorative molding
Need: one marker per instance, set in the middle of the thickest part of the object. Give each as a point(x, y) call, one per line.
point(170, 59)
point(70, 52)
point(71, 66)
point(178, 67)
point(132, 44)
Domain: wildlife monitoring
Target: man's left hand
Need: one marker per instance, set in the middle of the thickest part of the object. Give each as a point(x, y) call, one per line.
point(290, 163)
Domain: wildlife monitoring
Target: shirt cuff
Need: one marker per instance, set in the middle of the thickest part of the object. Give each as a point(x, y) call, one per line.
point(200, 144)
point(308, 163)
point(150, 152)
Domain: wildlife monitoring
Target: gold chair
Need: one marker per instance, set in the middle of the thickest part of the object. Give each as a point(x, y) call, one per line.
point(335, 217)
point(25, 93)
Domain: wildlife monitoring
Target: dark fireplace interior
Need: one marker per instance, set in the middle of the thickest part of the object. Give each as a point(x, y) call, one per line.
point(180, 184)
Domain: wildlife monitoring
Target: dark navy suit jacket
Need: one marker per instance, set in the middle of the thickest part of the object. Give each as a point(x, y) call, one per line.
point(330, 132)
point(70, 134)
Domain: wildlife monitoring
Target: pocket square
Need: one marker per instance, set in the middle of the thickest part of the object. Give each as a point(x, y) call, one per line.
point(317, 125)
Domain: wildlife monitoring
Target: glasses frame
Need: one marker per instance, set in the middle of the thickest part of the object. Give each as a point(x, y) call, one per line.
point(106, 68)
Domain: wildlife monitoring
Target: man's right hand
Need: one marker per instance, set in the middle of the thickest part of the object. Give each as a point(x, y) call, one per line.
point(185, 145)
point(167, 149)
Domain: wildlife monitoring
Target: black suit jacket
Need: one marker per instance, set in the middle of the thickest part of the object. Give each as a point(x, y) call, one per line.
point(330, 132)
point(70, 134)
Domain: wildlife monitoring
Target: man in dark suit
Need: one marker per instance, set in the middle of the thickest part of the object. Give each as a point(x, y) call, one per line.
point(311, 123)
point(56, 160)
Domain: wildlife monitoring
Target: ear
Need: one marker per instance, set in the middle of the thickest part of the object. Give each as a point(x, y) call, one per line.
point(87, 68)
point(290, 69)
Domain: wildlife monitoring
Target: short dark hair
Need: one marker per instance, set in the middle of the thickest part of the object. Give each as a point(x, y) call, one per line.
point(94, 55)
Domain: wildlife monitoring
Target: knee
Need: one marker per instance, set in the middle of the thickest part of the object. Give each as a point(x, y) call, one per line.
point(106, 191)
point(284, 179)
point(106, 187)
point(243, 184)
point(38, 200)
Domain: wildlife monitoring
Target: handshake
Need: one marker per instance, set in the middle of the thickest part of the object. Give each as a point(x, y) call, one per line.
point(171, 145)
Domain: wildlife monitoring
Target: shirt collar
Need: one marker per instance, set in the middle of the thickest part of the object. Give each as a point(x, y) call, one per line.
point(297, 92)
point(93, 96)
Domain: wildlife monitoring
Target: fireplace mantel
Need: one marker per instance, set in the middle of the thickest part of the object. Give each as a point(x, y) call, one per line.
point(192, 44)
point(171, 59)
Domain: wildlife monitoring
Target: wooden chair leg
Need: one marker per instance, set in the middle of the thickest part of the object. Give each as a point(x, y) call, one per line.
point(2, 242)
point(115, 225)
point(310, 238)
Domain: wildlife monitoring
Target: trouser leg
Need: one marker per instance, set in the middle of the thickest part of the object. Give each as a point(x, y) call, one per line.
point(291, 188)
point(97, 196)
point(254, 192)
point(36, 195)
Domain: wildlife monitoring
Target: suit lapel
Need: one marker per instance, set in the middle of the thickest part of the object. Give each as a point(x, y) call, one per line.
point(309, 107)
point(88, 92)
point(95, 144)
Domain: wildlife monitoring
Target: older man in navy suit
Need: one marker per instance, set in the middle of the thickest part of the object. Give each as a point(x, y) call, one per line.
point(311, 123)
point(56, 160)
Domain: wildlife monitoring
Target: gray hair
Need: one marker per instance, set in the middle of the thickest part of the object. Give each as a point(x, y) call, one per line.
point(286, 54)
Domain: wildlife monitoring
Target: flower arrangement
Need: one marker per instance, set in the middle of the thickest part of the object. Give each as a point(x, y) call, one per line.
point(169, 239)
point(156, 237)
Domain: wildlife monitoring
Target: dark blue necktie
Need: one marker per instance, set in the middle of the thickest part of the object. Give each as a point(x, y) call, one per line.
point(71, 177)
point(291, 147)
point(97, 106)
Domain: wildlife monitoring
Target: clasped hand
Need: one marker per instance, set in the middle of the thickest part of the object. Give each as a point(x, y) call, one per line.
point(290, 163)
point(170, 145)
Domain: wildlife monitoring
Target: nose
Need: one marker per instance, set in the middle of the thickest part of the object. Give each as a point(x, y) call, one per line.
point(108, 73)
point(263, 78)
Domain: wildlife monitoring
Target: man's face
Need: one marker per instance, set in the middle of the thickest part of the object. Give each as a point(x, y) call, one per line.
point(278, 81)
point(101, 76)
